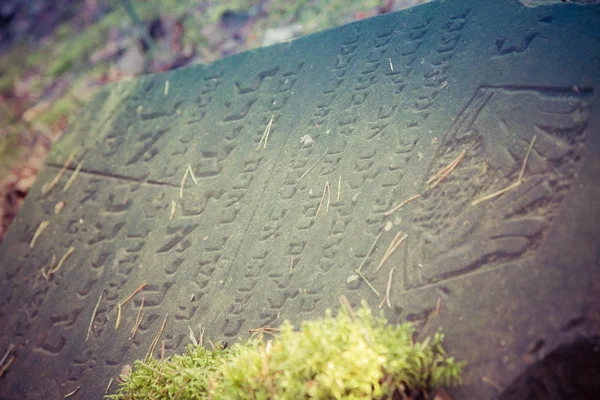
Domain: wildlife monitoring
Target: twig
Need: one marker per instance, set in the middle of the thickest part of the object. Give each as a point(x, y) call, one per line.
point(339, 188)
point(93, 316)
point(399, 206)
point(513, 185)
point(313, 166)
point(72, 393)
point(162, 351)
point(392, 247)
point(265, 135)
point(62, 260)
point(38, 232)
point(73, 176)
point(292, 265)
point(370, 251)
point(444, 172)
point(47, 189)
point(368, 283)
point(438, 306)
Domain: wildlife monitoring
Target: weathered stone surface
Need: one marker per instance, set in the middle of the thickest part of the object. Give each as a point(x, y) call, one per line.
point(360, 117)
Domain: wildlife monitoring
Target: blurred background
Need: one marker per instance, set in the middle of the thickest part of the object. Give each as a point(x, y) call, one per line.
point(55, 54)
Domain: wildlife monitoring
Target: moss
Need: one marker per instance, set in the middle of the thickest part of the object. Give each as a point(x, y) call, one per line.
point(73, 48)
point(77, 48)
point(350, 356)
point(61, 108)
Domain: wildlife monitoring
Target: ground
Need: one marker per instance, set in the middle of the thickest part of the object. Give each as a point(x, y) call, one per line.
point(54, 55)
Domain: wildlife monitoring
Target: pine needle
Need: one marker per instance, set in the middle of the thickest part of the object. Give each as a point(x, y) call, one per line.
point(62, 260)
point(444, 172)
point(136, 291)
point(399, 206)
point(5, 366)
point(138, 320)
point(192, 175)
point(73, 176)
point(368, 283)
point(43, 225)
point(45, 274)
point(6, 353)
point(72, 393)
point(121, 304)
point(513, 185)
point(397, 241)
point(93, 316)
point(325, 190)
point(389, 288)
point(192, 337)
point(265, 135)
point(49, 187)
point(109, 384)
point(157, 337)
point(188, 170)
point(173, 206)
point(118, 321)
point(313, 166)
point(370, 251)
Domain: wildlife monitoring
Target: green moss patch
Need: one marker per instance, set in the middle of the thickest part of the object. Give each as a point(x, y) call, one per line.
point(354, 355)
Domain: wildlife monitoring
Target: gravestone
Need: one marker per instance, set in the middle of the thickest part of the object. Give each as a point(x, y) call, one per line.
point(449, 152)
